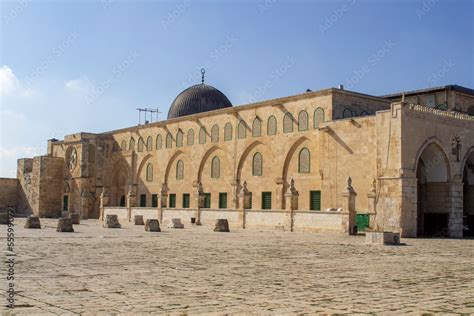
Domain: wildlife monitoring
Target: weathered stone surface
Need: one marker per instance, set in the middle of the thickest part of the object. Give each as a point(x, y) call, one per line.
point(152, 225)
point(382, 238)
point(175, 223)
point(222, 225)
point(33, 222)
point(111, 221)
point(138, 219)
point(3, 218)
point(65, 225)
point(75, 218)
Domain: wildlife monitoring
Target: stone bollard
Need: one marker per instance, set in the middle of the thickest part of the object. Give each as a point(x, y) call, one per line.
point(222, 225)
point(382, 238)
point(75, 218)
point(152, 225)
point(33, 222)
point(111, 221)
point(175, 223)
point(65, 225)
point(138, 219)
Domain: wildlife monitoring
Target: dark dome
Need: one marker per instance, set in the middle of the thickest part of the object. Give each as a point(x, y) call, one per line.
point(196, 99)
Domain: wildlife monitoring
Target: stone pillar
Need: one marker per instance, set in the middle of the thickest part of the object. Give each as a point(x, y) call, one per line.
point(371, 206)
point(163, 200)
point(291, 198)
point(131, 201)
point(349, 199)
point(244, 203)
point(280, 193)
point(85, 204)
point(104, 201)
point(235, 194)
point(455, 220)
point(198, 201)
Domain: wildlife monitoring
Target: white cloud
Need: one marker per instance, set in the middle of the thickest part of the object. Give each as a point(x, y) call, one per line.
point(80, 85)
point(9, 156)
point(8, 81)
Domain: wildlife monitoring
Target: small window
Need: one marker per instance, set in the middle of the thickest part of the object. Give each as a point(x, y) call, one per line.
point(190, 138)
point(347, 113)
point(241, 130)
point(318, 117)
point(131, 146)
point(222, 200)
point(123, 145)
point(143, 200)
point(215, 134)
point(169, 140)
point(256, 127)
point(364, 113)
point(149, 172)
point(272, 125)
point(315, 200)
point(202, 135)
point(288, 123)
point(303, 121)
point(159, 142)
point(179, 138)
point(257, 164)
point(180, 170)
point(228, 132)
point(141, 144)
point(266, 200)
point(207, 200)
point(304, 161)
point(122, 201)
point(149, 143)
point(186, 200)
point(215, 167)
point(172, 200)
point(154, 200)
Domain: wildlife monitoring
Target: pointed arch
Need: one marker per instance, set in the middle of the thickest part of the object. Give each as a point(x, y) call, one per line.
point(433, 141)
point(149, 172)
point(228, 132)
point(215, 167)
point(244, 156)
point(272, 125)
point(131, 145)
point(257, 164)
point(190, 137)
point(304, 161)
point(141, 144)
point(202, 135)
point(204, 158)
point(289, 156)
point(303, 121)
point(170, 163)
point(142, 165)
point(179, 138)
point(242, 130)
point(159, 142)
point(257, 127)
point(169, 140)
point(465, 159)
point(179, 170)
point(318, 117)
point(288, 123)
point(215, 133)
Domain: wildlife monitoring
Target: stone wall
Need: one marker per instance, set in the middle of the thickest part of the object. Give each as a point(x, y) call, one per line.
point(8, 193)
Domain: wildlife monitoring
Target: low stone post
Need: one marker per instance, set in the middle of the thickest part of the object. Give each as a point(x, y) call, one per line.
point(455, 220)
point(244, 203)
point(280, 193)
point(104, 201)
point(291, 198)
point(131, 202)
point(162, 201)
point(371, 201)
point(349, 197)
point(235, 193)
point(198, 201)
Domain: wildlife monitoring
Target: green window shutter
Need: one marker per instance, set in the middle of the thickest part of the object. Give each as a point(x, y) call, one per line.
point(65, 202)
point(186, 200)
point(222, 200)
point(315, 200)
point(250, 201)
point(207, 200)
point(154, 200)
point(266, 200)
point(362, 222)
point(143, 200)
point(172, 200)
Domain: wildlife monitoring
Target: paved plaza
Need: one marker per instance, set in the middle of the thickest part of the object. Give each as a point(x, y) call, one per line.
point(198, 271)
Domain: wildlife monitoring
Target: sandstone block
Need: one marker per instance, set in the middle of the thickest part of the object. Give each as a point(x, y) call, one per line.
point(33, 222)
point(222, 225)
point(382, 238)
point(138, 219)
point(65, 225)
point(111, 221)
point(175, 223)
point(152, 225)
point(75, 218)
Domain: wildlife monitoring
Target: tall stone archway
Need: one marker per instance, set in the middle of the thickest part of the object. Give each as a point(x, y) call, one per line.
point(119, 183)
point(468, 195)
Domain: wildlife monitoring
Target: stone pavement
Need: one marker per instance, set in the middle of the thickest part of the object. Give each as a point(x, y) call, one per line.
point(196, 271)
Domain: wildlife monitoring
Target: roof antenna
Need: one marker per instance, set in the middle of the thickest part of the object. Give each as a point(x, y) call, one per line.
point(203, 71)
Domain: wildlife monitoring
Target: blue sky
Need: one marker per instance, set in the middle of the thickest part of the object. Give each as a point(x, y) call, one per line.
point(72, 66)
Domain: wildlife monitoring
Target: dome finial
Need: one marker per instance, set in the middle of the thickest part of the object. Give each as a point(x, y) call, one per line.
point(203, 71)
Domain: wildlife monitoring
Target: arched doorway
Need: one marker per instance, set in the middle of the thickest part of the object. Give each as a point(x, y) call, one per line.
point(468, 196)
point(119, 185)
point(433, 202)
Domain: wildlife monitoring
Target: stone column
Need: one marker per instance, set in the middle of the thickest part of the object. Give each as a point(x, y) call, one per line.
point(131, 201)
point(104, 201)
point(198, 201)
point(244, 203)
point(455, 220)
point(280, 193)
point(349, 198)
point(235, 194)
point(162, 201)
point(85, 204)
point(371, 207)
point(291, 198)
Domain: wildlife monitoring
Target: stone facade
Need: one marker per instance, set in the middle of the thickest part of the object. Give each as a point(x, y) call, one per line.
point(8, 193)
point(197, 165)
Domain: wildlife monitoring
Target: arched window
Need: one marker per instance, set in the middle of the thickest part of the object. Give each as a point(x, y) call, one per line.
point(215, 134)
point(364, 113)
point(318, 117)
point(149, 143)
point(228, 131)
point(179, 138)
point(140, 145)
point(180, 170)
point(123, 145)
point(304, 161)
point(169, 140)
point(303, 121)
point(115, 146)
point(347, 113)
point(257, 164)
point(159, 142)
point(288, 123)
point(215, 167)
point(272, 125)
point(190, 137)
point(256, 127)
point(149, 172)
point(202, 135)
point(241, 130)
point(131, 146)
